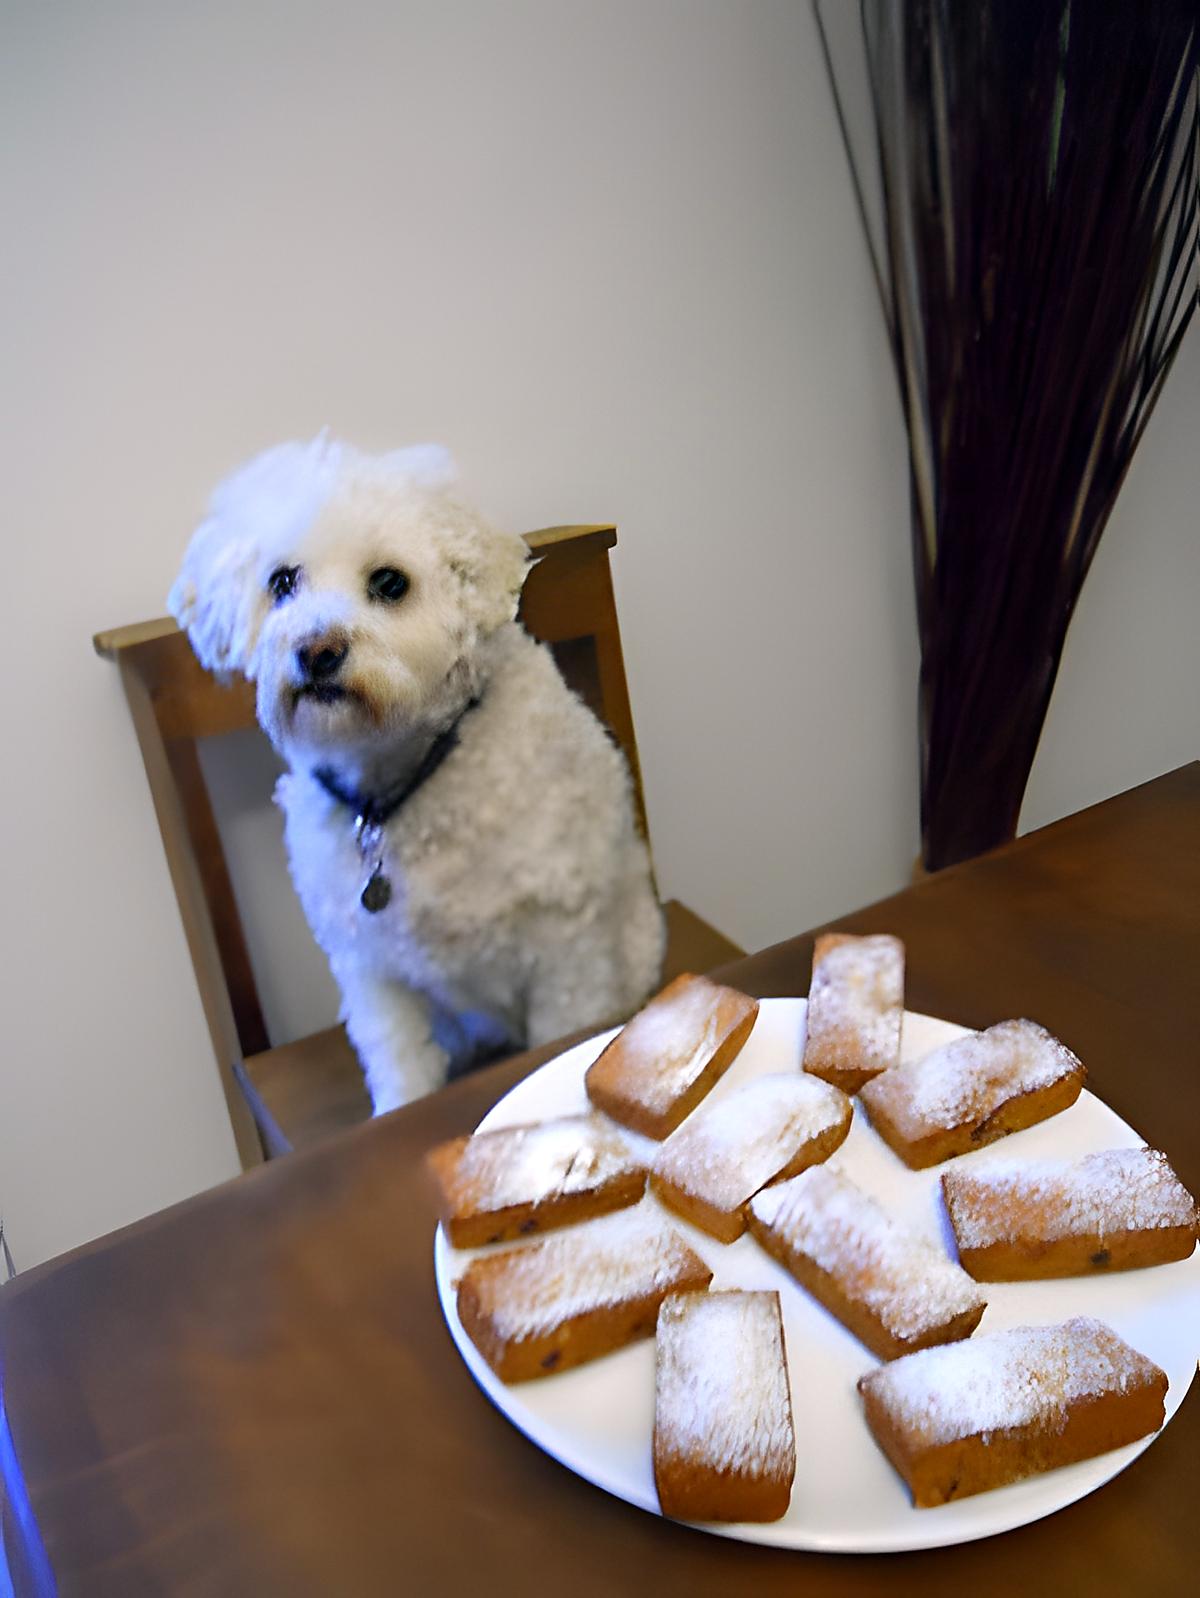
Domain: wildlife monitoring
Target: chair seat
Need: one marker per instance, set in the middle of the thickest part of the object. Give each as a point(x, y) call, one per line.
point(300, 1093)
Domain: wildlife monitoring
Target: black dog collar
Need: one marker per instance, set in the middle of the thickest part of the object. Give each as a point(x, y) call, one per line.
point(372, 812)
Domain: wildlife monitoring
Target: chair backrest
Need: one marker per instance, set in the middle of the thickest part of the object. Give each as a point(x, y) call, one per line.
point(567, 603)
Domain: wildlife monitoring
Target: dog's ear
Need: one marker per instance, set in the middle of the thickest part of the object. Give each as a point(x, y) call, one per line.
point(506, 566)
point(490, 565)
point(254, 518)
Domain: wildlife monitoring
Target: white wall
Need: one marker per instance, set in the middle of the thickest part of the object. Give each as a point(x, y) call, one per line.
point(1127, 702)
point(607, 251)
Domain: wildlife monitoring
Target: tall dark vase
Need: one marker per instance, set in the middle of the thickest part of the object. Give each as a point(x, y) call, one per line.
point(1039, 166)
point(978, 743)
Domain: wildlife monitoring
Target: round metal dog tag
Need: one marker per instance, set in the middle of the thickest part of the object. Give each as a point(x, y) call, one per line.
point(377, 894)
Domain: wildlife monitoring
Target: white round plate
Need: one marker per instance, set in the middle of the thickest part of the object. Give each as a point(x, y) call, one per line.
point(598, 1419)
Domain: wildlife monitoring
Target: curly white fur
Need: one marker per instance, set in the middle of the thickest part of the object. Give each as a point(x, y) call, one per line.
point(522, 905)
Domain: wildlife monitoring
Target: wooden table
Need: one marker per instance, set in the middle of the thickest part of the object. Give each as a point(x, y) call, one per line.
point(254, 1393)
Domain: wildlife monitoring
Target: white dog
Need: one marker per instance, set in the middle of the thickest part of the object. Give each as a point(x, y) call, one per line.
point(459, 826)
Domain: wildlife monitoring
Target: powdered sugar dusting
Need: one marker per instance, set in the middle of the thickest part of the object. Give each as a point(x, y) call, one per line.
point(529, 1291)
point(856, 1002)
point(729, 1148)
point(722, 1388)
point(532, 1164)
point(903, 1279)
point(1117, 1190)
point(671, 1042)
point(1029, 1375)
point(967, 1080)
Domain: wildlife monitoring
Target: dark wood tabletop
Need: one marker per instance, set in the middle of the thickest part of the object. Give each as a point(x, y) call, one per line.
point(254, 1393)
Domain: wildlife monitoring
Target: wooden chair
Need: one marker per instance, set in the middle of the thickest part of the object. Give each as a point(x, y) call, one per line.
point(292, 1095)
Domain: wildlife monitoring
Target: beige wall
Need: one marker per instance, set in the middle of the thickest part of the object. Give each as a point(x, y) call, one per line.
point(607, 252)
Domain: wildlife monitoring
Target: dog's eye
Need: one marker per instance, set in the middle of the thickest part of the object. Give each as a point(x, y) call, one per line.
point(283, 582)
point(387, 584)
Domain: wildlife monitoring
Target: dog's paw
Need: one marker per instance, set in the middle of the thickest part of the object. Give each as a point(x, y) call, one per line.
point(392, 1089)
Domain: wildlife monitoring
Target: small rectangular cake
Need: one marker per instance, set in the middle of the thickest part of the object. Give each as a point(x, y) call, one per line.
point(773, 1127)
point(972, 1091)
point(501, 1185)
point(724, 1446)
point(662, 1063)
point(855, 1008)
point(892, 1288)
point(577, 1295)
point(972, 1416)
point(1021, 1220)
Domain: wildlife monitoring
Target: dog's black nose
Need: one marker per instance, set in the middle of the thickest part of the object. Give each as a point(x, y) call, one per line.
point(321, 659)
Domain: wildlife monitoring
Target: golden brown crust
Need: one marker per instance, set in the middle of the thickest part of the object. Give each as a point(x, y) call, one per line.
point(558, 1303)
point(728, 1225)
point(848, 1079)
point(496, 1187)
point(855, 1315)
point(724, 1444)
point(852, 1034)
point(1031, 1260)
point(940, 1473)
point(1029, 1220)
point(686, 1492)
point(818, 1149)
point(626, 1079)
point(571, 1342)
point(725, 1225)
point(525, 1220)
point(1014, 1115)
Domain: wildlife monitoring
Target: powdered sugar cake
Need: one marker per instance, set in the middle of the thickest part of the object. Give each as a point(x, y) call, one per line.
point(497, 1186)
point(855, 1008)
point(1117, 1209)
point(892, 1288)
point(972, 1416)
point(724, 1445)
point(577, 1295)
point(662, 1062)
point(773, 1127)
point(597, 1420)
point(972, 1091)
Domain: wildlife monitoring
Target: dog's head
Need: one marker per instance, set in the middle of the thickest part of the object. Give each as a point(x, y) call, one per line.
point(354, 590)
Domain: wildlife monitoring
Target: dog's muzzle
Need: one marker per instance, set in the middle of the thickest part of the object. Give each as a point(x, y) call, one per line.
point(319, 660)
